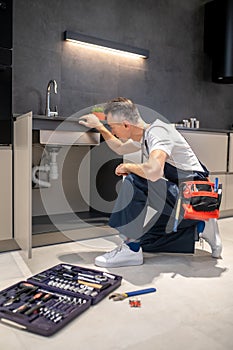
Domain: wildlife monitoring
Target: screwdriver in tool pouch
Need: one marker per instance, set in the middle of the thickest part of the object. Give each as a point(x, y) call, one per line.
point(35, 297)
point(22, 308)
point(28, 304)
point(26, 288)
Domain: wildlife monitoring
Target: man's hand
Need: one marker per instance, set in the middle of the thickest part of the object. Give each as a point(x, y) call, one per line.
point(121, 170)
point(90, 121)
point(151, 170)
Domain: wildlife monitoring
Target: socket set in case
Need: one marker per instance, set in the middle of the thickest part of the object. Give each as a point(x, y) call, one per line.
point(47, 301)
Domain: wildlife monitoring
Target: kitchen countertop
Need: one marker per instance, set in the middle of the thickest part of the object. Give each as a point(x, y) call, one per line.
point(71, 123)
point(224, 131)
point(42, 122)
point(59, 123)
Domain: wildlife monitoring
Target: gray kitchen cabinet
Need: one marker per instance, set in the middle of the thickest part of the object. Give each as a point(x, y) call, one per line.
point(212, 149)
point(22, 182)
point(230, 168)
point(229, 192)
point(66, 195)
point(229, 177)
point(5, 192)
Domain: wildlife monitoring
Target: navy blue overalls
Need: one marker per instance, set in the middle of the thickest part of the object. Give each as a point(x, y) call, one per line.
point(130, 209)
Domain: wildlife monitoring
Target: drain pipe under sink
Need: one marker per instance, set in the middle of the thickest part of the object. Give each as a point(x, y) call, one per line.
point(50, 168)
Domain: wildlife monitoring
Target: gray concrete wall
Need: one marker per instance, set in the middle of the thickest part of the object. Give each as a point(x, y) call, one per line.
point(175, 80)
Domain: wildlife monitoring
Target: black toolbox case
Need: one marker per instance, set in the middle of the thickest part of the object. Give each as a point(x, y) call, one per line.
point(47, 301)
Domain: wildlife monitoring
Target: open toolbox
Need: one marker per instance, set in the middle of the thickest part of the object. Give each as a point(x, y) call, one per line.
point(47, 301)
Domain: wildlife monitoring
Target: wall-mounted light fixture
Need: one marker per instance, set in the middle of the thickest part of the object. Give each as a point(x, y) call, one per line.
point(97, 43)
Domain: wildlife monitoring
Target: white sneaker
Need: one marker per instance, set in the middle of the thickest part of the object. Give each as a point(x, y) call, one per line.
point(120, 256)
point(211, 235)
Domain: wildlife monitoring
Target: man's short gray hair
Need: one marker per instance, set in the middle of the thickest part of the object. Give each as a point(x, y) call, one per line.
point(121, 109)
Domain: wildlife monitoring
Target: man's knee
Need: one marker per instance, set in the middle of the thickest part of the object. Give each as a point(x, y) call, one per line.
point(136, 180)
point(131, 177)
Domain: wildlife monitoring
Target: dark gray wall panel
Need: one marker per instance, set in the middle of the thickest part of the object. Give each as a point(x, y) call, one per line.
point(175, 80)
point(33, 69)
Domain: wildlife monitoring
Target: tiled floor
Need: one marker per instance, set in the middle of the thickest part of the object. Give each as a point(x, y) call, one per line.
point(192, 308)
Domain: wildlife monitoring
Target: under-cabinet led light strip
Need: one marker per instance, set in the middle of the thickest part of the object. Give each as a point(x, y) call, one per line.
point(112, 46)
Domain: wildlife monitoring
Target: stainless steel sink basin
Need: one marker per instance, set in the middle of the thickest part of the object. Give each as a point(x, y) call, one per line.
point(55, 118)
point(58, 137)
point(44, 117)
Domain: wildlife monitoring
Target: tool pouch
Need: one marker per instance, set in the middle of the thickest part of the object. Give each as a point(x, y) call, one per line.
point(200, 199)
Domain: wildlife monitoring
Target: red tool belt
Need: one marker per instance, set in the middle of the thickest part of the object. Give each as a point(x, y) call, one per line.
point(200, 199)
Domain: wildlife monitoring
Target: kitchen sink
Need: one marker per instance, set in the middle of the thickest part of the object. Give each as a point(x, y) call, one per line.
point(59, 137)
point(59, 130)
point(44, 117)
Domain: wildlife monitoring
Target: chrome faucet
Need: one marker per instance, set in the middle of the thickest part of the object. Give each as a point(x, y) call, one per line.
point(48, 112)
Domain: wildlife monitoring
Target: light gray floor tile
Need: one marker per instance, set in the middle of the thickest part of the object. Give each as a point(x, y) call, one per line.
point(191, 309)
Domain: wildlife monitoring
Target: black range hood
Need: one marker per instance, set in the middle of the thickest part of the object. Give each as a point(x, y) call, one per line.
point(218, 39)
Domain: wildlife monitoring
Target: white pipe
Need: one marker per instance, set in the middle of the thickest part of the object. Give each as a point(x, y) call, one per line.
point(53, 165)
point(52, 169)
point(45, 168)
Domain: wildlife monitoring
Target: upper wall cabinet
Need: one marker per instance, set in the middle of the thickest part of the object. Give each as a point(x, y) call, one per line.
point(6, 24)
point(210, 148)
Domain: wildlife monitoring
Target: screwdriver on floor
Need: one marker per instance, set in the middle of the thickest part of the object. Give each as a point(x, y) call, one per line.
point(122, 296)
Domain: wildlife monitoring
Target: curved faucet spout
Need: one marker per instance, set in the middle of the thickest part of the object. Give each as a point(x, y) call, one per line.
point(54, 84)
point(48, 112)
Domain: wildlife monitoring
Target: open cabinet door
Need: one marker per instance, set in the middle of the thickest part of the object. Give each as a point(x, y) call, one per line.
point(23, 182)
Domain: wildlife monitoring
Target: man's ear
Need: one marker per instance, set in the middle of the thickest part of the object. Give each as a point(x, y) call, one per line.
point(126, 124)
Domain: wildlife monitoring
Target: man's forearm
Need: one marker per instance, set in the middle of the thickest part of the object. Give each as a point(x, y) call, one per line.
point(91, 121)
point(107, 135)
point(115, 144)
point(145, 170)
point(111, 140)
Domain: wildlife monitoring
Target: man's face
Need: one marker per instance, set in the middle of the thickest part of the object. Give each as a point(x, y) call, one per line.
point(119, 129)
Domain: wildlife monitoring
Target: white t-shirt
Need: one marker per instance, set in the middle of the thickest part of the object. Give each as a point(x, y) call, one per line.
point(165, 137)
